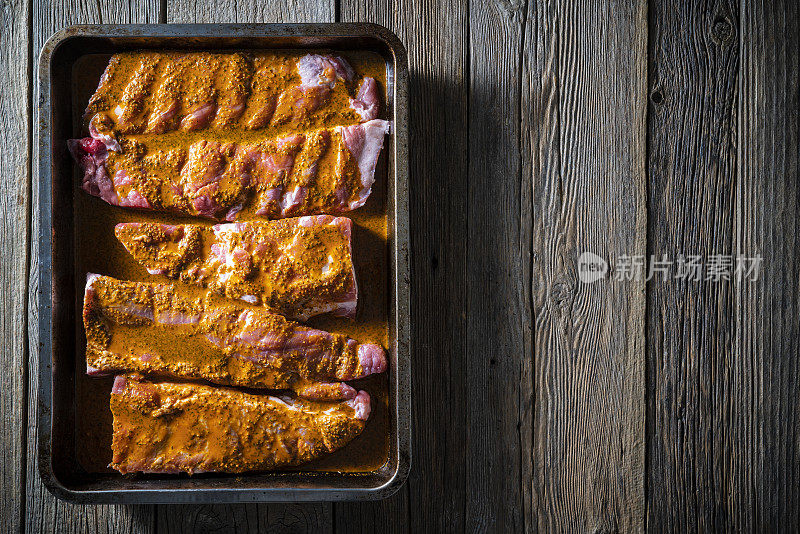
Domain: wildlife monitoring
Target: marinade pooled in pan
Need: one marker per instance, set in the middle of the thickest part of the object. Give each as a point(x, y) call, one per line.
point(98, 250)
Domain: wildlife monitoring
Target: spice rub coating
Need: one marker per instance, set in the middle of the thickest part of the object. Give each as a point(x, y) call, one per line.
point(149, 92)
point(231, 136)
point(164, 427)
point(168, 330)
point(298, 267)
point(330, 170)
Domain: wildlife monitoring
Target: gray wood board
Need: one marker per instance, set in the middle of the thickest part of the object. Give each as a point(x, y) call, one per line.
point(692, 170)
point(723, 355)
point(44, 513)
point(14, 205)
point(494, 305)
point(583, 149)
point(763, 420)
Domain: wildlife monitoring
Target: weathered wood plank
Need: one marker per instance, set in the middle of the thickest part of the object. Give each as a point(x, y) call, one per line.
point(583, 150)
point(764, 462)
point(244, 519)
point(312, 517)
point(495, 305)
point(14, 204)
point(694, 51)
point(190, 11)
point(43, 512)
point(434, 497)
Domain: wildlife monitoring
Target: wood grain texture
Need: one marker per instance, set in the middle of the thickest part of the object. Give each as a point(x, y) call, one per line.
point(14, 204)
point(583, 128)
point(244, 519)
point(537, 133)
point(495, 304)
point(44, 513)
point(694, 52)
point(434, 498)
point(193, 11)
point(312, 517)
point(765, 387)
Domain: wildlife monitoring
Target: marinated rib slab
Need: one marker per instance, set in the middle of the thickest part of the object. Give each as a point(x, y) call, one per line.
point(291, 135)
point(163, 427)
point(161, 92)
point(298, 267)
point(330, 170)
point(165, 329)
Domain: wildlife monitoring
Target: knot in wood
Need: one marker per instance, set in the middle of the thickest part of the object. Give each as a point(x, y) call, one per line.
point(562, 293)
point(721, 30)
point(657, 97)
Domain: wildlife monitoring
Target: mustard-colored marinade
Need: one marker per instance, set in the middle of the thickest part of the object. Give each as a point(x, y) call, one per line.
point(172, 175)
point(153, 93)
point(160, 328)
point(298, 267)
point(165, 427)
point(178, 120)
point(97, 250)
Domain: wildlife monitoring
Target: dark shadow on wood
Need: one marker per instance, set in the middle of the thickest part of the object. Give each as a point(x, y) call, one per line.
point(438, 182)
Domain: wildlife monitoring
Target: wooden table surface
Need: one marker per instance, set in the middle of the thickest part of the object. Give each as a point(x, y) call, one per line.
point(540, 130)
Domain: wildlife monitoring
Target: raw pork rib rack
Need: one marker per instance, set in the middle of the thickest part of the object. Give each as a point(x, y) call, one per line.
point(216, 339)
point(231, 136)
point(155, 428)
point(298, 267)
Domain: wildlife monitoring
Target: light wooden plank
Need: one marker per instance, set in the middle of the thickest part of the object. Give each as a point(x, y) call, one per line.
point(312, 517)
point(583, 172)
point(764, 440)
point(14, 205)
point(692, 167)
point(43, 512)
point(434, 498)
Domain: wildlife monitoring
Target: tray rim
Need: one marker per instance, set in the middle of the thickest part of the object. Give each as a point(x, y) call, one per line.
point(400, 251)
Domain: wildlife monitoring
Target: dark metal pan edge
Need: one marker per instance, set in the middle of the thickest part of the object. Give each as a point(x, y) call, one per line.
point(401, 251)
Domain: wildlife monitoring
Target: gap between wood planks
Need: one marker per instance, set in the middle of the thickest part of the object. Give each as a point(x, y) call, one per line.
point(28, 244)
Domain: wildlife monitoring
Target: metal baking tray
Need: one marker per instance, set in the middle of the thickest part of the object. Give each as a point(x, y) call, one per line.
point(60, 357)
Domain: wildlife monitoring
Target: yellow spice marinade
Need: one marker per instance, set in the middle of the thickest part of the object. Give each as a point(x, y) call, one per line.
point(298, 267)
point(159, 328)
point(151, 93)
point(164, 427)
point(97, 250)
